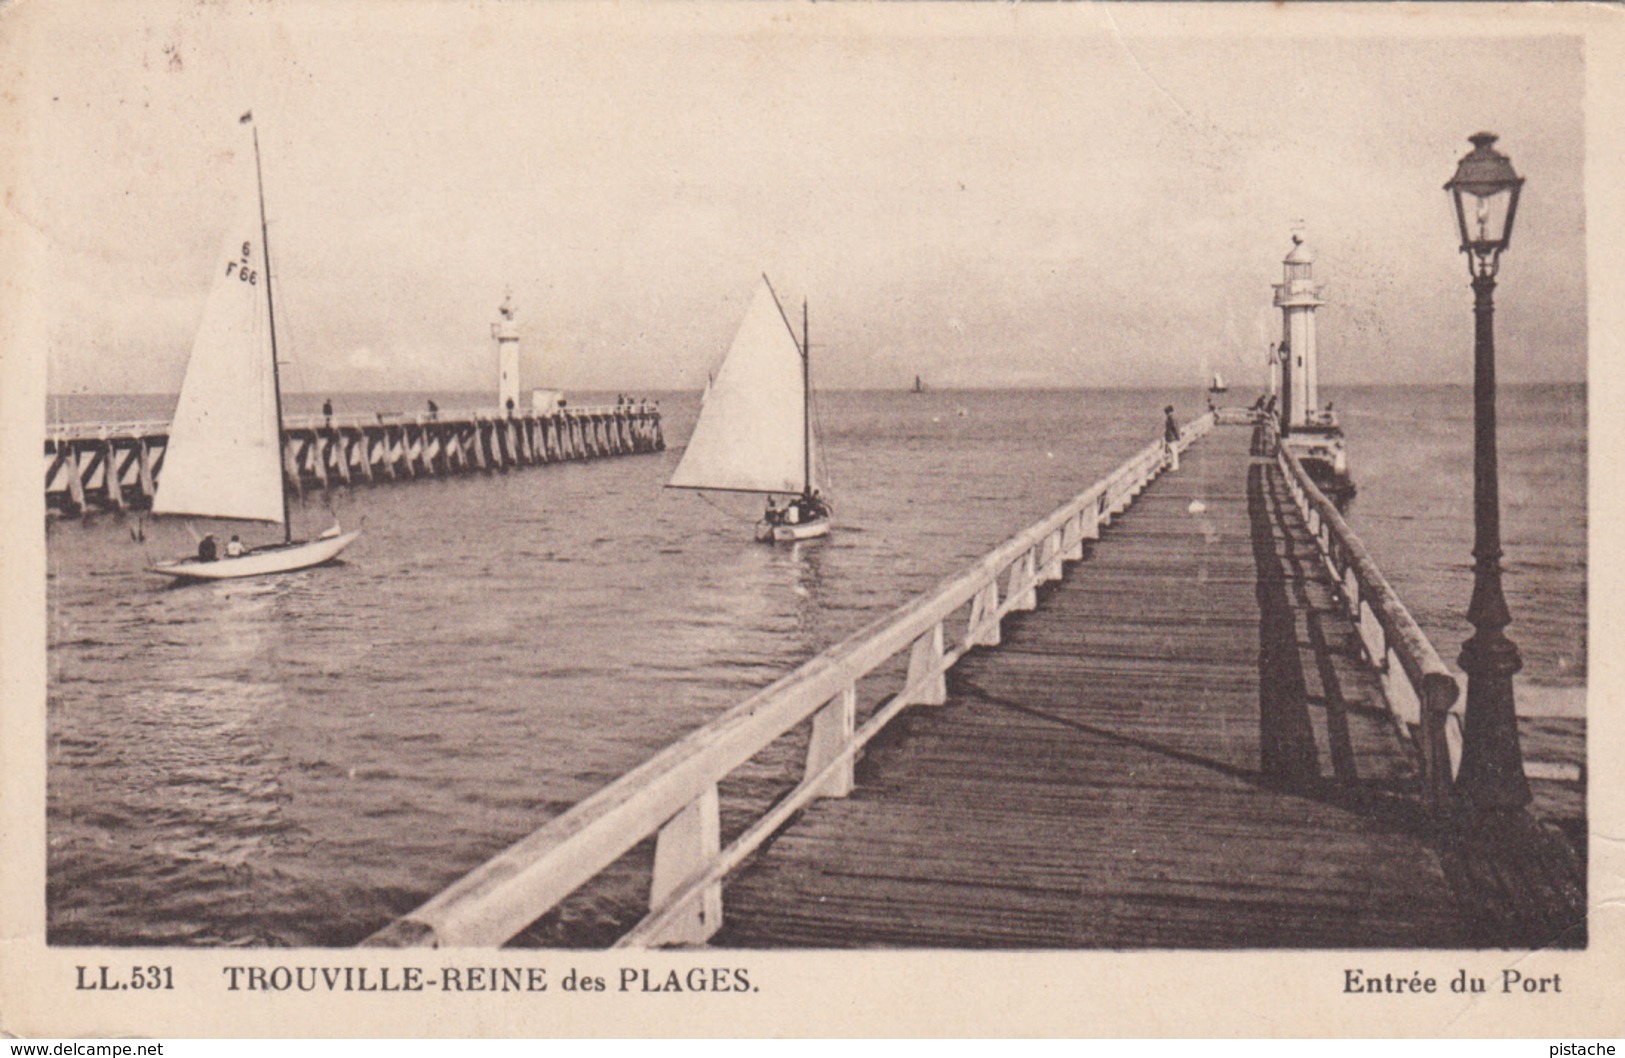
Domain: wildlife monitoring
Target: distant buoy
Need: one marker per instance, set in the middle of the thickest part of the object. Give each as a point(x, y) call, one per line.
point(1197, 507)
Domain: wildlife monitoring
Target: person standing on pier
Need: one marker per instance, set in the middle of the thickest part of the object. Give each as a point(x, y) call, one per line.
point(1170, 437)
point(327, 412)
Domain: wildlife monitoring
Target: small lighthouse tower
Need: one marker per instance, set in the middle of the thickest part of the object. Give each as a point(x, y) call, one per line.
point(1309, 430)
point(1298, 297)
point(506, 333)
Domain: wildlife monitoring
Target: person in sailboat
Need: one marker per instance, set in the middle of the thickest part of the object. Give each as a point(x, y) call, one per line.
point(234, 547)
point(810, 506)
point(207, 549)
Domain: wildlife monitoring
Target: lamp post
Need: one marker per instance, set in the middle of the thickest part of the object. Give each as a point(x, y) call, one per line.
point(1485, 194)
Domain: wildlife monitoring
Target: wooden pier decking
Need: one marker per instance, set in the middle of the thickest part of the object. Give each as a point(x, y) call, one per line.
point(1129, 769)
point(1184, 710)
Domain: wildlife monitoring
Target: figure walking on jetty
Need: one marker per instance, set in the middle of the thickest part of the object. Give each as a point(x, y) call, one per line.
point(1170, 437)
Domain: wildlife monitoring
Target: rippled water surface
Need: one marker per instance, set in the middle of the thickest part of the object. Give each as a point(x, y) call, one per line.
point(297, 760)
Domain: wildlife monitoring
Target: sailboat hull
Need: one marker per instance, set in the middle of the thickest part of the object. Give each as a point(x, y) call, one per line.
point(768, 532)
point(263, 561)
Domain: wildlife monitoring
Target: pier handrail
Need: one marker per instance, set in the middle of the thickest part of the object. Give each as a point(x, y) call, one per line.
point(1421, 691)
point(59, 431)
point(419, 418)
point(350, 420)
point(674, 794)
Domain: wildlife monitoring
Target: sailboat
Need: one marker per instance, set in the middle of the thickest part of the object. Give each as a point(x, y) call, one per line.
point(224, 454)
point(754, 432)
point(1218, 385)
point(919, 385)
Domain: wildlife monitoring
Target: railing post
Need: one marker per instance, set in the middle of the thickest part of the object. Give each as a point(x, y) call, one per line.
point(1072, 536)
point(1019, 590)
point(686, 846)
point(982, 630)
point(1438, 694)
point(1120, 495)
point(1372, 636)
point(832, 730)
point(1403, 700)
point(1049, 558)
point(925, 674)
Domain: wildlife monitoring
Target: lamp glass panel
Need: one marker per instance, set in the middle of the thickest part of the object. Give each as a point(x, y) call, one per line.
point(1486, 219)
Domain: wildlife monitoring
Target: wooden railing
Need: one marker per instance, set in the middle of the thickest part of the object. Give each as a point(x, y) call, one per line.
point(1234, 415)
point(1420, 690)
point(674, 795)
point(58, 431)
point(395, 418)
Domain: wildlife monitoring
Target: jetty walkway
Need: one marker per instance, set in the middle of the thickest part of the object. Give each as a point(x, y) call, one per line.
point(1186, 710)
point(116, 466)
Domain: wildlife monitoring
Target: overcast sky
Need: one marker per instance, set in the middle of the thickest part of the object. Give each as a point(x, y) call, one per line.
point(987, 195)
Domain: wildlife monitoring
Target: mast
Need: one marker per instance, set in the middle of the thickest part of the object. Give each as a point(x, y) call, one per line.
point(270, 310)
point(806, 403)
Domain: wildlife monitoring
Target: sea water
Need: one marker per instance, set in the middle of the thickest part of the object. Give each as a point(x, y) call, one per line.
point(297, 760)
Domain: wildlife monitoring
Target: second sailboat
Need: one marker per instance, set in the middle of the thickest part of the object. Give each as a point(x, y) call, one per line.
point(755, 431)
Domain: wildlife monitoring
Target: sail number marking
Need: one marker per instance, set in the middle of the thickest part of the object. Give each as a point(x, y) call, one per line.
point(244, 273)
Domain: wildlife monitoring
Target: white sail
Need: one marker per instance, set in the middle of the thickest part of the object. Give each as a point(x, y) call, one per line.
point(1218, 382)
point(223, 458)
point(750, 435)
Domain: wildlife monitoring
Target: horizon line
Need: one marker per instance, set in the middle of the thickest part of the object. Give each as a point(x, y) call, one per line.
point(1149, 387)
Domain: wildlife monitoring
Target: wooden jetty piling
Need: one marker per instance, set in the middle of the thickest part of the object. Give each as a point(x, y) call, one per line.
point(116, 466)
point(1222, 728)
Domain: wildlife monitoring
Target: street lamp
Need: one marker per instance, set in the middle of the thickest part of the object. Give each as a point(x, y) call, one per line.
point(1485, 193)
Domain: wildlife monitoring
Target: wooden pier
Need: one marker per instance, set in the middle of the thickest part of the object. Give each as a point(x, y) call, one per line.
point(116, 466)
point(1186, 710)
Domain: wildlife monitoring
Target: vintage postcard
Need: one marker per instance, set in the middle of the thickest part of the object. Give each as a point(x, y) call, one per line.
point(810, 519)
